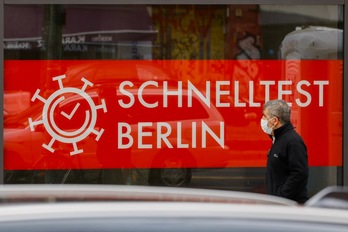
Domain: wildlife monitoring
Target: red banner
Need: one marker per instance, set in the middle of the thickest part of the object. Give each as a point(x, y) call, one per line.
point(62, 114)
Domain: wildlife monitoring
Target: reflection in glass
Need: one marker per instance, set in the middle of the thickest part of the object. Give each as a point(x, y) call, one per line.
point(233, 57)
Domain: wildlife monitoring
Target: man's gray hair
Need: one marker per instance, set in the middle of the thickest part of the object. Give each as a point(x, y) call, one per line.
point(278, 108)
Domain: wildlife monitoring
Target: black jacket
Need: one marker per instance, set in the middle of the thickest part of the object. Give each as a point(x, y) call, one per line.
point(287, 165)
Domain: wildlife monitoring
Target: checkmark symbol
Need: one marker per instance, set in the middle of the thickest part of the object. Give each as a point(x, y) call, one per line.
point(69, 116)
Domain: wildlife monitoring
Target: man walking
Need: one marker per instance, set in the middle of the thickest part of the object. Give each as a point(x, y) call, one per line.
point(287, 161)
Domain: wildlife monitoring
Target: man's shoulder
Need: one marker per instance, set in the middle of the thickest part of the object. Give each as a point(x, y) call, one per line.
point(292, 136)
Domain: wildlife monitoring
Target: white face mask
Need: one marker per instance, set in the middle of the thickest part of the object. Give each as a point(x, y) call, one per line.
point(264, 126)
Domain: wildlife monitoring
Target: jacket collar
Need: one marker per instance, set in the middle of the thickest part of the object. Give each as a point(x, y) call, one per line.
point(283, 129)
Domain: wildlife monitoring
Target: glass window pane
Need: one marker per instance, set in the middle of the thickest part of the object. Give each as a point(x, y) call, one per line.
point(168, 94)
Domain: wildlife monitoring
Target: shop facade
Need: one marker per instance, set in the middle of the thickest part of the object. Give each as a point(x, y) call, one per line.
point(153, 93)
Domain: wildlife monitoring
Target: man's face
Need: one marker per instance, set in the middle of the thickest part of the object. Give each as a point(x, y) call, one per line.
point(272, 121)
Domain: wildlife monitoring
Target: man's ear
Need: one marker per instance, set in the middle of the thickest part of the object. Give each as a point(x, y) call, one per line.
point(277, 122)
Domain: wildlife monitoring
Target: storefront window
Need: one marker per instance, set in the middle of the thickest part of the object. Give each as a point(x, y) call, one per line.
point(168, 94)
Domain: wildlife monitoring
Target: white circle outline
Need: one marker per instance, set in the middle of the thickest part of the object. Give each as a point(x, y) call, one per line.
point(45, 114)
point(54, 125)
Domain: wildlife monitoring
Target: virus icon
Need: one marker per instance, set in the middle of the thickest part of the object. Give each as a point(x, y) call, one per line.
point(51, 108)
